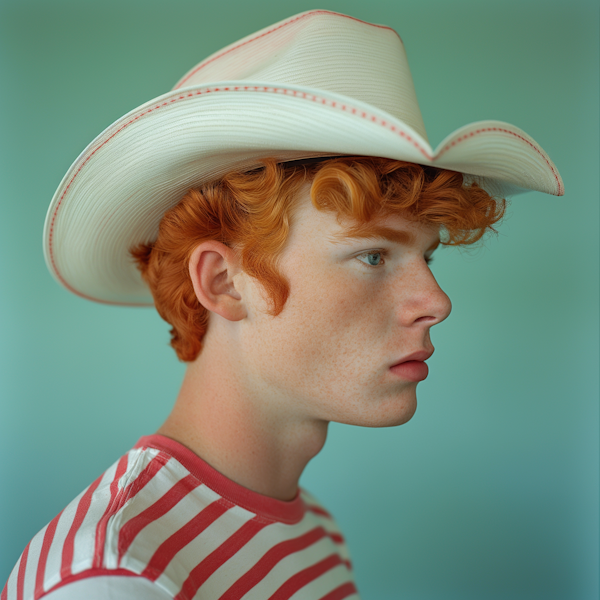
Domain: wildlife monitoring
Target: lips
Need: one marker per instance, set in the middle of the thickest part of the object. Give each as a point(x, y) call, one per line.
point(420, 355)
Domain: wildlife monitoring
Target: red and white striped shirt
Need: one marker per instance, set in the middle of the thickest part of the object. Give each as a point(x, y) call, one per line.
point(162, 520)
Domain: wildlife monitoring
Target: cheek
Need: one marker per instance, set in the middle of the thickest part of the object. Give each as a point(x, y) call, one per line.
point(330, 331)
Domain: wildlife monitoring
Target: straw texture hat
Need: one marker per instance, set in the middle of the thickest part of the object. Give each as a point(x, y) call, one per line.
point(316, 84)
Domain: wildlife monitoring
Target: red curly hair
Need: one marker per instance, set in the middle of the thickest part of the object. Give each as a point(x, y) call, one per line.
point(254, 211)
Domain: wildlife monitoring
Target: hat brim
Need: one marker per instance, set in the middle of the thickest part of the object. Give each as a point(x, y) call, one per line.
point(116, 192)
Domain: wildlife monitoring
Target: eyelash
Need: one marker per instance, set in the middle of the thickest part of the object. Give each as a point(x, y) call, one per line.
point(384, 254)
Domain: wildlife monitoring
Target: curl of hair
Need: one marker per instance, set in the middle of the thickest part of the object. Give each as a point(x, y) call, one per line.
point(253, 212)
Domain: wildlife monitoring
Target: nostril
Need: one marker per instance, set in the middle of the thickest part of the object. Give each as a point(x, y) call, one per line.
point(425, 319)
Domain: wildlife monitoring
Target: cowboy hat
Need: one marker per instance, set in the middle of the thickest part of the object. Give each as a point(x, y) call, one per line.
point(316, 84)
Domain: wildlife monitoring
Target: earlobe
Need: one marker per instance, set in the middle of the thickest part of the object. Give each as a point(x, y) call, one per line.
point(212, 268)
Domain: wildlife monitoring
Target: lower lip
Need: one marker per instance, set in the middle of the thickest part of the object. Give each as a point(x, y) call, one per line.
point(413, 370)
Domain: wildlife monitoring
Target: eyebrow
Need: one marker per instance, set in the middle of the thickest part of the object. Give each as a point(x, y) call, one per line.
point(380, 232)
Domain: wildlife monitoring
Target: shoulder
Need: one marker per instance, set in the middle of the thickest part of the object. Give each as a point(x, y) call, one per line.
point(84, 537)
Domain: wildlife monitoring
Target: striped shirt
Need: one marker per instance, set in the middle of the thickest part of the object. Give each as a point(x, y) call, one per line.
point(162, 515)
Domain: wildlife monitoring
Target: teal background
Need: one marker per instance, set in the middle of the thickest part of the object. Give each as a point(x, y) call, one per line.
point(491, 491)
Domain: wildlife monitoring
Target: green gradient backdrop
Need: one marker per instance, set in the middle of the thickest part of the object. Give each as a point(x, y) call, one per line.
point(491, 491)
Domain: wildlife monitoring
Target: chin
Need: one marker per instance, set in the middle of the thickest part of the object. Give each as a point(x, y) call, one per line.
point(405, 417)
point(389, 415)
point(399, 411)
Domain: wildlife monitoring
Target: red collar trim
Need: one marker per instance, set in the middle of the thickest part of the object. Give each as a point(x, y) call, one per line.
point(264, 506)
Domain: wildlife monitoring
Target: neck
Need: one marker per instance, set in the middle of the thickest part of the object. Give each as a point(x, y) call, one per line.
point(260, 442)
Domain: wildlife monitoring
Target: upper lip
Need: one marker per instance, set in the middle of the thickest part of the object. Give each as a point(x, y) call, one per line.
point(419, 355)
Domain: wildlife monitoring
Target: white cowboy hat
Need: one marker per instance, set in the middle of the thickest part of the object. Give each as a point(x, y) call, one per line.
point(316, 84)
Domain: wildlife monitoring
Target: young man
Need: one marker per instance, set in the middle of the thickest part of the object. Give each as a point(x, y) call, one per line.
point(282, 205)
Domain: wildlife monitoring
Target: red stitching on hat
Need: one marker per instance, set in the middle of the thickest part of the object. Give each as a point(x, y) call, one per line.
point(265, 89)
point(304, 16)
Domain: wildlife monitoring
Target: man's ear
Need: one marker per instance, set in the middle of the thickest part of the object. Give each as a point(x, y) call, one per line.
point(212, 267)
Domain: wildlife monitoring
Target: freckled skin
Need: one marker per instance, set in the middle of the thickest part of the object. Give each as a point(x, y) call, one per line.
point(257, 401)
point(346, 323)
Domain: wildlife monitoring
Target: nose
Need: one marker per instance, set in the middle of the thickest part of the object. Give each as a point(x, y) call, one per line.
point(423, 300)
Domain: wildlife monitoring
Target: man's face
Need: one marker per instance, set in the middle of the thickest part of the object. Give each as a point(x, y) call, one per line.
point(328, 354)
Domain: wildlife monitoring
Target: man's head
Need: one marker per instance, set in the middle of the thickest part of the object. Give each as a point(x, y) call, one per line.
point(290, 269)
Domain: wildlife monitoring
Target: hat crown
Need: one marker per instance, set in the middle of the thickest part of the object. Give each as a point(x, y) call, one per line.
point(322, 50)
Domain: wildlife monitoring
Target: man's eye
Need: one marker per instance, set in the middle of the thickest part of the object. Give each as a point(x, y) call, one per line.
point(377, 262)
point(378, 259)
